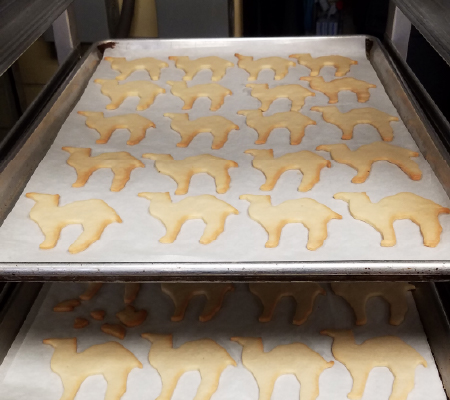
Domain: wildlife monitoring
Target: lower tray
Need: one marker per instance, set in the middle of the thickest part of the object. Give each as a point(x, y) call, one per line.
point(26, 373)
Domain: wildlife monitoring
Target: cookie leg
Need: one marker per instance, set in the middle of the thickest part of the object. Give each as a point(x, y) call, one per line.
point(265, 104)
point(105, 135)
point(297, 134)
point(399, 308)
point(172, 231)
point(342, 70)
point(71, 387)
point(169, 382)
point(183, 180)
point(116, 101)
point(214, 227)
point(116, 387)
point(403, 383)
point(212, 306)
point(359, 376)
point(181, 302)
point(216, 103)
point(387, 234)
point(218, 74)
point(309, 385)
point(430, 228)
point(189, 75)
point(359, 308)
point(303, 310)
point(145, 102)
point(222, 179)
point(347, 130)
point(272, 177)
point(363, 96)
point(208, 385)
point(219, 139)
point(410, 168)
point(51, 234)
point(136, 135)
point(265, 384)
point(121, 177)
point(363, 172)
point(188, 102)
point(269, 302)
point(274, 231)
point(316, 236)
point(297, 104)
point(253, 74)
point(82, 176)
point(310, 178)
point(91, 233)
point(385, 130)
point(332, 97)
point(263, 135)
point(186, 139)
point(154, 73)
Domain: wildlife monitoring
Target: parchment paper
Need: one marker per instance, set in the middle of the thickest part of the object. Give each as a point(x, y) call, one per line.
point(136, 239)
point(27, 374)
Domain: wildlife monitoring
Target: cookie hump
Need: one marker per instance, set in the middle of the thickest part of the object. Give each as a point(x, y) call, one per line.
point(312, 214)
point(94, 215)
point(209, 208)
point(332, 88)
point(279, 65)
point(384, 351)
point(364, 156)
point(308, 163)
point(126, 68)
point(367, 115)
point(145, 90)
point(358, 293)
point(215, 92)
point(111, 360)
point(120, 163)
point(136, 124)
point(382, 215)
point(294, 358)
point(304, 294)
point(342, 64)
point(181, 171)
point(295, 122)
point(182, 293)
point(218, 126)
point(204, 355)
point(217, 65)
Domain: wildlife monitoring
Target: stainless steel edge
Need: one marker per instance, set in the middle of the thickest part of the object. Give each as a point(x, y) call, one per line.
point(436, 326)
point(47, 127)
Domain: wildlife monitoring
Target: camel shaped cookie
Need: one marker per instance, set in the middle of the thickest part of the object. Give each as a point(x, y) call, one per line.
point(217, 65)
point(210, 209)
point(332, 88)
point(145, 90)
point(294, 358)
point(203, 355)
point(313, 215)
point(111, 360)
point(308, 163)
point(295, 93)
point(182, 293)
point(121, 164)
point(136, 124)
point(217, 125)
point(271, 293)
point(295, 122)
point(279, 65)
point(367, 115)
point(126, 68)
point(342, 64)
point(384, 351)
point(358, 293)
point(382, 215)
point(181, 171)
point(364, 156)
point(94, 215)
point(215, 92)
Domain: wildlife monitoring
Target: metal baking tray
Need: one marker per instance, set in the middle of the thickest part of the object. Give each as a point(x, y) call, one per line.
point(17, 169)
point(15, 325)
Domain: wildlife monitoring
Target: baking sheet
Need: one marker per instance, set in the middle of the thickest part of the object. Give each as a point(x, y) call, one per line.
point(27, 375)
point(136, 239)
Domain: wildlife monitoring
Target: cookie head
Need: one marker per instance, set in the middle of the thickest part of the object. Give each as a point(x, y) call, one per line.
point(155, 195)
point(330, 147)
point(260, 152)
point(243, 341)
point(348, 196)
point(320, 109)
point(55, 343)
point(254, 198)
point(337, 333)
point(155, 337)
point(91, 114)
point(43, 197)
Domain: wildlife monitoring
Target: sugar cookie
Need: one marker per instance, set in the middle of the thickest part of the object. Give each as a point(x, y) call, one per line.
point(367, 115)
point(313, 215)
point(215, 92)
point(295, 93)
point(271, 293)
point(382, 215)
point(210, 209)
point(181, 171)
point(182, 293)
point(80, 323)
point(217, 125)
point(115, 330)
point(67, 305)
point(98, 315)
point(131, 317)
point(342, 64)
point(204, 355)
point(111, 360)
point(279, 65)
point(308, 163)
point(126, 68)
point(358, 293)
point(131, 291)
point(217, 65)
point(91, 291)
point(385, 351)
point(295, 122)
point(145, 90)
point(120, 163)
point(94, 215)
point(364, 156)
point(331, 89)
point(293, 358)
point(136, 124)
